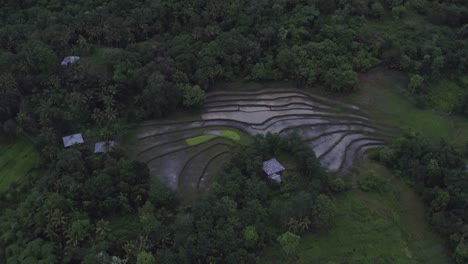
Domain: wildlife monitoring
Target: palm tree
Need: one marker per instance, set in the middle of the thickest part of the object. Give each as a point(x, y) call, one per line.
point(102, 229)
point(57, 218)
point(304, 224)
point(293, 225)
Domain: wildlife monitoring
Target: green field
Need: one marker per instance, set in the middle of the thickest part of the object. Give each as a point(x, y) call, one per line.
point(229, 134)
point(199, 139)
point(17, 160)
point(383, 97)
point(372, 228)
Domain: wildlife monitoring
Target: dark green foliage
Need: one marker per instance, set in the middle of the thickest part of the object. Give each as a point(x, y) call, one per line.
point(75, 213)
point(373, 183)
point(159, 97)
point(134, 60)
point(144, 59)
point(62, 218)
point(193, 96)
point(337, 185)
point(438, 172)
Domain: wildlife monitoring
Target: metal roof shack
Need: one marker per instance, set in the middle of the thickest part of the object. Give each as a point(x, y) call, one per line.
point(69, 60)
point(273, 169)
point(72, 140)
point(101, 147)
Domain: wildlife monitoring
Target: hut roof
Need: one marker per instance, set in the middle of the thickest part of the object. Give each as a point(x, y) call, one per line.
point(272, 166)
point(101, 147)
point(69, 59)
point(275, 177)
point(72, 140)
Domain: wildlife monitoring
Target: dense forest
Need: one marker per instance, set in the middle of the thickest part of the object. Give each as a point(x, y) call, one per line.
point(146, 59)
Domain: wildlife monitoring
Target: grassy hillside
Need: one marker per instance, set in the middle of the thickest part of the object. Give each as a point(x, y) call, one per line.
point(17, 159)
point(372, 227)
point(383, 96)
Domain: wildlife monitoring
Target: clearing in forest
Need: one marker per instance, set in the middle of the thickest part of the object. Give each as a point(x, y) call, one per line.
point(185, 154)
point(371, 227)
point(17, 160)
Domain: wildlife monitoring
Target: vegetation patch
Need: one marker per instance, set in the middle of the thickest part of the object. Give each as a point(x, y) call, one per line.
point(370, 227)
point(383, 98)
point(229, 134)
point(445, 96)
point(198, 139)
point(16, 160)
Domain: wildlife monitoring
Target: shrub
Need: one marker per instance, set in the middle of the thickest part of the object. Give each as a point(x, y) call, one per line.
point(415, 83)
point(193, 96)
point(372, 182)
point(461, 253)
point(419, 5)
point(386, 155)
point(398, 11)
point(338, 185)
point(440, 200)
point(323, 212)
point(289, 243)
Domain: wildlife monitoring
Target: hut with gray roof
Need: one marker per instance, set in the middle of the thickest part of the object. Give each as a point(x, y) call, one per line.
point(72, 140)
point(273, 169)
point(69, 60)
point(101, 147)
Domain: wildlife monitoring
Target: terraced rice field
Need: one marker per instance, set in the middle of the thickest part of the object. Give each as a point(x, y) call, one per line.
point(185, 154)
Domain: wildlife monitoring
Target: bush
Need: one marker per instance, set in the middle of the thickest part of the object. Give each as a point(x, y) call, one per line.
point(419, 5)
point(386, 155)
point(415, 83)
point(193, 96)
point(338, 185)
point(440, 201)
point(323, 212)
point(398, 11)
point(372, 182)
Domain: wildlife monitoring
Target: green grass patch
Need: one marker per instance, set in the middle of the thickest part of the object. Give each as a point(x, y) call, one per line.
point(17, 159)
point(445, 96)
point(229, 134)
point(199, 139)
point(371, 227)
point(384, 98)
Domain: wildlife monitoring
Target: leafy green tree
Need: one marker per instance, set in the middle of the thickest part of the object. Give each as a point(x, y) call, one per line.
point(9, 97)
point(461, 252)
point(289, 243)
point(372, 182)
point(103, 229)
point(340, 79)
point(415, 84)
point(79, 231)
point(159, 97)
point(337, 185)
point(250, 236)
point(377, 9)
point(193, 96)
point(323, 212)
point(398, 12)
point(35, 251)
point(436, 66)
point(145, 258)
point(148, 219)
point(440, 201)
